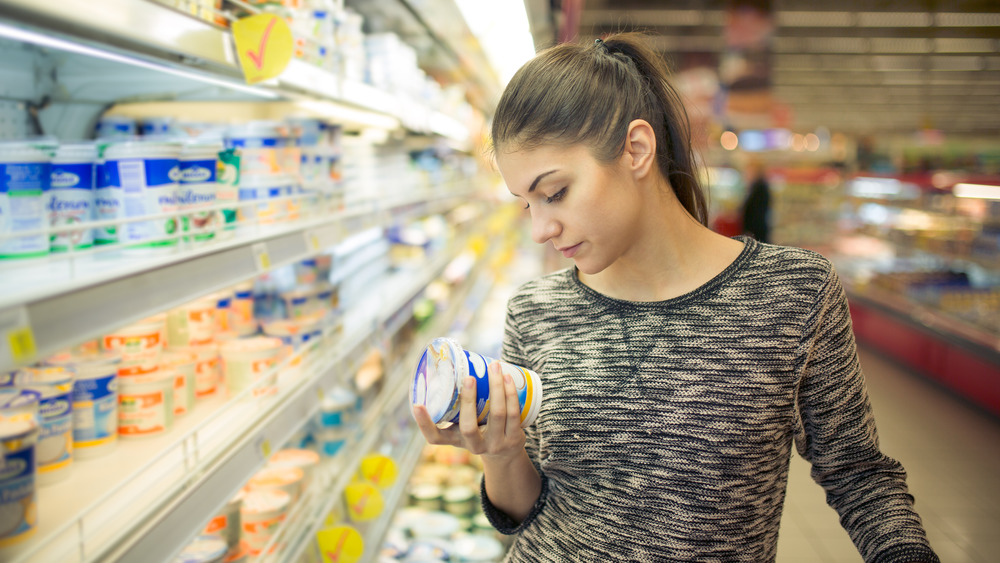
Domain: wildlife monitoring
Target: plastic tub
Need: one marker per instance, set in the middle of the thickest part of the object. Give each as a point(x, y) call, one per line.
point(245, 360)
point(299, 303)
point(223, 310)
point(288, 479)
point(18, 438)
point(226, 523)
point(184, 364)
point(71, 195)
point(25, 180)
point(242, 309)
point(109, 204)
point(147, 173)
point(306, 460)
point(54, 452)
point(95, 401)
point(140, 345)
point(294, 333)
point(206, 369)
point(146, 404)
point(192, 324)
point(337, 409)
point(260, 515)
point(331, 441)
point(259, 144)
point(443, 367)
point(115, 126)
point(199, 187)
point(204, 549)
point(263, 190)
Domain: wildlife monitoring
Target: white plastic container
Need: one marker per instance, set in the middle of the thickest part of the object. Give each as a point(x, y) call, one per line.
point(223, 310)
point(25, 180)
point(241, 307)
point(18, 438)
point(294, 333)
point(139, 344)
point(71, 196)
point(185, 384)
point(206, 368)
point(146, 404)
point(263, 190)
point(260, 145)
point(54, 452)
point(246, 360)
point(204, 549)
point(109, 202)
point(261, 514)
point(115, 127)
point(338, 409)
point(199, 187)
point(288, 479)
point(147, 173)
point(193, 324)
point(443, 367)
point(95, 401)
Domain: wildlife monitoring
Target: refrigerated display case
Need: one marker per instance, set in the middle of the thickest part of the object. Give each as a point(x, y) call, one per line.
point(921, 265)
point(71, 65)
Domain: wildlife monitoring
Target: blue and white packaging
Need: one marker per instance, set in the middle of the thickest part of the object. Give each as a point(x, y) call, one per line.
point(54, 452)
point(199, 188)
point(147, 172)
point(72, 194)
point(95, 400)
point(25, 180)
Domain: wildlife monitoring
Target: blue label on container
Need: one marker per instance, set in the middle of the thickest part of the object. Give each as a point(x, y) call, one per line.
point(107, 176)
point(25, 177)
point(94, 408)
point(17, 493)
point(198, 171)
point(161, 172)
point(253, 143)
point(73, 176)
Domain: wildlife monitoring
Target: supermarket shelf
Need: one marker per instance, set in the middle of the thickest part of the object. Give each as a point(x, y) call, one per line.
point(127, 511)
point(64, 302)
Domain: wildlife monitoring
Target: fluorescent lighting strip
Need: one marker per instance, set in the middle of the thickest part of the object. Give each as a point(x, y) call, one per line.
point(979, 191)
point(33, 37)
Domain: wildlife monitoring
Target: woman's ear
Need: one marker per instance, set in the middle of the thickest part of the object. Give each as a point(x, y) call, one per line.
point(640, 148)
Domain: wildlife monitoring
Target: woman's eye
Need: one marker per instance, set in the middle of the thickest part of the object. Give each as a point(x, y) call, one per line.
point(556, 196)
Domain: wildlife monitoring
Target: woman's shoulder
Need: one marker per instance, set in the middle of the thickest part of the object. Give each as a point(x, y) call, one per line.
point(549, 288)
point(779, 260)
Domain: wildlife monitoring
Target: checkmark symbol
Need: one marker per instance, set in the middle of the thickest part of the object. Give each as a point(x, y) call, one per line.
point(258, 57)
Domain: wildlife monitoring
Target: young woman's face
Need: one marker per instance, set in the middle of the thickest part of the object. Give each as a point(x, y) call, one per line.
point(586, 209)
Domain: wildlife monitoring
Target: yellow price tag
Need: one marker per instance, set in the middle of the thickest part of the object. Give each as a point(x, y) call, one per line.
point(261, 257)
point(22, 344)
point(264, 46)
point(364, 501)
point(18, 343)
point(342, 544)
point(379, 470)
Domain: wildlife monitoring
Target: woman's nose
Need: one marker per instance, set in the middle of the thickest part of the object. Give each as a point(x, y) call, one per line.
point(543, 228)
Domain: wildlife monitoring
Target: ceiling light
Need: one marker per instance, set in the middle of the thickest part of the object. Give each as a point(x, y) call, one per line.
point(503, 32)
point(979, 191)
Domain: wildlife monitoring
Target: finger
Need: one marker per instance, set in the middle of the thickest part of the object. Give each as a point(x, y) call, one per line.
point(513, 405)
point(498, 402)
point(468, 424)
point(431, 432)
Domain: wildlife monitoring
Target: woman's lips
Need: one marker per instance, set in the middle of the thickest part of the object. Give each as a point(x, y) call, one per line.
point(569, 251)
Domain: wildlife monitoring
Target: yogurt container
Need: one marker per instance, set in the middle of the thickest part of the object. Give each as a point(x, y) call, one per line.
point(204, 549)
point(443, 367)
point(140, 345)
point(25, 181)
point(298, 303)
point(294, 333)
point(223, 310)
point(198, 189)
point(261, 514)
point(246, 360)
point(71, 195)
point(226, 523)
point(54, 451)
point(185, 384)
point(18, 438)
point(241, 308)
point(147, 173)
point(109, 202)
point(284, 478)
point(193, 324)
point(257, 196)
point(115, 126)
point(337, 409)
point(157, 125)
point(259, 144)
point(330, 441)
point(306, 460)
point(146, 404)
point(206, 367)
point(95, 400)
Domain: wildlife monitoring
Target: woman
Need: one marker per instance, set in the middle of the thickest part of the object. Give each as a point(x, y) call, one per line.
point(679, 366)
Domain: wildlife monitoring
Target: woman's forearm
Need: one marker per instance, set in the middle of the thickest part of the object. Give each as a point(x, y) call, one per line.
point(512, 484)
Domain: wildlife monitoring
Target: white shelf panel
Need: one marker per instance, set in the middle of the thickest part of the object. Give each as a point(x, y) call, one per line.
point(69, 301)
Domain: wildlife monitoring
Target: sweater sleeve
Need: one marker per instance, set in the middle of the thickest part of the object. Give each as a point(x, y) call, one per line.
point(835, 432)
point(513, 352)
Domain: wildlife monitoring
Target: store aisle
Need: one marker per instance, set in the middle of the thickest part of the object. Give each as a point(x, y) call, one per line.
point(951, 453)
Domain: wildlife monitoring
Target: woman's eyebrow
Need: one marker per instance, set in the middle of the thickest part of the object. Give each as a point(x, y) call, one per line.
point(539, 178)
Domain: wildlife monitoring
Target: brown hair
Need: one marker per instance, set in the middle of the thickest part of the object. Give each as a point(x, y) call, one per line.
point(571, 94)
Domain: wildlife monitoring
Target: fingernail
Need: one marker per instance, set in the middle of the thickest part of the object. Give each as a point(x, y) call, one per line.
point(507, 378)
point(469, 383)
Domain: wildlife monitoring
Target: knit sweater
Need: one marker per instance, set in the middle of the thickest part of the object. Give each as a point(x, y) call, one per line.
point(666, 428)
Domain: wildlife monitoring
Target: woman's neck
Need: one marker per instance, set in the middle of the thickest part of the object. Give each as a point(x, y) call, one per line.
point(674, 255)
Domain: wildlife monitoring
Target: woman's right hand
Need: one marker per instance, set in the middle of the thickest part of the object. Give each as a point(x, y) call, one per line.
point(501, 437)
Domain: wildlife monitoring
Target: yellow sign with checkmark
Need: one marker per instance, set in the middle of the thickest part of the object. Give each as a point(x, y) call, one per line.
point(264, 45)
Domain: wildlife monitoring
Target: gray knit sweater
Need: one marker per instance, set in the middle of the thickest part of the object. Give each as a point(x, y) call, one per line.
point(666, 428)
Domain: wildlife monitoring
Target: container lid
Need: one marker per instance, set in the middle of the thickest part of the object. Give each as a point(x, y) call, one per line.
point(201, 148)
point(252, 344)
point(426, 491)
point(160, 377)
point(265, 500)
point(294, 458)
point(90, 364)
point(255, 130)
point(52, 375)
point(477, 547)
point(13, 378)
point(76, 152)
point(458, 494)
point(435, 382)
point(436, 524)
point(272, 477)
point(160, 148)
point(39, 149)
point(204, 549)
